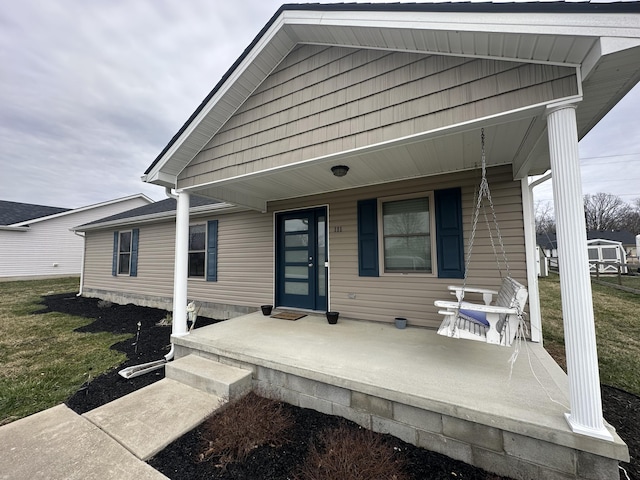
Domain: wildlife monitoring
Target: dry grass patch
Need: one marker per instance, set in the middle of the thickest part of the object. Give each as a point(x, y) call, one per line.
point(352, 453)
point(251, 422)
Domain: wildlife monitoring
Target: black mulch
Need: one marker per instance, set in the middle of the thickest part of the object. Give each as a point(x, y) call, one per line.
point(179, 460)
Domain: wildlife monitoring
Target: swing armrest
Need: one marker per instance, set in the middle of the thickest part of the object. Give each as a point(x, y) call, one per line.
point(487, 294)
point(476, 307)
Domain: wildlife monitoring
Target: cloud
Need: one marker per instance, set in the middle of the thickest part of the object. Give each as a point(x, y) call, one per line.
point(91, 92)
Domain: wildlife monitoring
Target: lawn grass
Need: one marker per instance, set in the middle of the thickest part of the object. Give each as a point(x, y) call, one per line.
point(631, 281)
point(43, 360)
point(617, 331)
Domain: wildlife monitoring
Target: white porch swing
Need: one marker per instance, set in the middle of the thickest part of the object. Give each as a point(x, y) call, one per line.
point(496, 323)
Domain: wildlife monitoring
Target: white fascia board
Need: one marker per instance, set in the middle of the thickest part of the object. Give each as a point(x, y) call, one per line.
point(216, 208)
point(580, 24)
point(235, 75)
point(83, 209)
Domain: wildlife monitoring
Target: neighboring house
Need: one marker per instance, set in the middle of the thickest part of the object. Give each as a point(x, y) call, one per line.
point(36, 241)
point(603, 246)
point(344, 147)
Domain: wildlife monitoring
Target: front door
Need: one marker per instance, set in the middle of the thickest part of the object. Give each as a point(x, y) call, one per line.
point(301, 259)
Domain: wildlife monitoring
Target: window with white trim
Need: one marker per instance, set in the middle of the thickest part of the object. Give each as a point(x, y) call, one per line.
point(124, 253)
point(406, 226)
point(197, 250)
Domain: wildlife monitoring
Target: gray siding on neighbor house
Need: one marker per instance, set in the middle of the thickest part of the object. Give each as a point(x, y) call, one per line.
point(246, 255)
point(323, 100)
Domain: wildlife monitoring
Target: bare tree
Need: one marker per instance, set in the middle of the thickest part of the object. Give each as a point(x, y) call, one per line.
point(631, 220)
point(604, 211)
point(545, 220)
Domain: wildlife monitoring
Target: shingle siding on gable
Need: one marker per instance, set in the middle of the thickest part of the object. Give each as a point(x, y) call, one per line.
point(323, 100)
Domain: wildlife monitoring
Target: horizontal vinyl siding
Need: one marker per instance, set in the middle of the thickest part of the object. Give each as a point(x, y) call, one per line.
point(388, 296)
point(245, 262)
point(323, 100)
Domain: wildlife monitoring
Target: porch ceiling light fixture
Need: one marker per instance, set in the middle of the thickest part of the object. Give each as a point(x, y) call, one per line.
point(339, 170)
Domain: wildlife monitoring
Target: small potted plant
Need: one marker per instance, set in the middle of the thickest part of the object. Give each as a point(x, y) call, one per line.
point(401, 323)
point(266, 309)
point(332, 317)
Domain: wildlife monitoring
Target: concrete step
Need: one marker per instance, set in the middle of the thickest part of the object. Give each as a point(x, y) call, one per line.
point(149, 419)
point(209, 376)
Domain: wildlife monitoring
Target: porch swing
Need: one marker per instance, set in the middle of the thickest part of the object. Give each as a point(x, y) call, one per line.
point(492, 322)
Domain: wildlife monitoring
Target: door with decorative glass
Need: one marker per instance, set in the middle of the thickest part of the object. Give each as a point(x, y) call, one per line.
point(301, 259)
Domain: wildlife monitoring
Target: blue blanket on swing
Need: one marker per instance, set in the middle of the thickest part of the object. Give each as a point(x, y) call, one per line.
point(478, 317)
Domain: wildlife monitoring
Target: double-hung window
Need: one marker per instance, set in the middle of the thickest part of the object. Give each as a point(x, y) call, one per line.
point(418, 233)
point(406, 234)
point(124, 253)
point(197, 250)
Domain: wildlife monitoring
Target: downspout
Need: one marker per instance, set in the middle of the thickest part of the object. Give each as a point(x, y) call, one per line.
point(84, 253)
point(169, 356)
point(530, 255)
point(182, 204)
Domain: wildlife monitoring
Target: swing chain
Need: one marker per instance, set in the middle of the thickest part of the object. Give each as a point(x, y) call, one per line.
point(482, 192)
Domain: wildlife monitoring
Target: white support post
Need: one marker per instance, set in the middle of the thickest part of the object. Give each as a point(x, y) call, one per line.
point(535, 316)
point(575, 284)
point(181, 265)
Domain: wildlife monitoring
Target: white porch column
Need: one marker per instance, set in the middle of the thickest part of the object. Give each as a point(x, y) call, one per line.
point(181, 265)
point(535, 317)
point(575, 284)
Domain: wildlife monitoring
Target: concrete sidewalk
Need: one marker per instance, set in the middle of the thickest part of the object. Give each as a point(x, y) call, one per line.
point(111, 442)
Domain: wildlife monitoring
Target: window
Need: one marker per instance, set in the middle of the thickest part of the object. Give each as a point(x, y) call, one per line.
point(124, 253)
point(197, 250)
point(406, 235)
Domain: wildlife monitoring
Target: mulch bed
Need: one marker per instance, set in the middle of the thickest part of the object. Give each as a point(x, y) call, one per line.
point(179, 460)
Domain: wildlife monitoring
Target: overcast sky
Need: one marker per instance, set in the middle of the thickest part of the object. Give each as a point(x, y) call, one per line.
point(90, 93)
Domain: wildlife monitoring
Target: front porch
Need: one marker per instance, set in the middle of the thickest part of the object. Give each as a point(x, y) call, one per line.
point(450, 396)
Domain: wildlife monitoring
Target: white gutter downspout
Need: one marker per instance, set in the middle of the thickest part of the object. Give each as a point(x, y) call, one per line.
point(84, 254)
point(535, 314)
point(181, 262)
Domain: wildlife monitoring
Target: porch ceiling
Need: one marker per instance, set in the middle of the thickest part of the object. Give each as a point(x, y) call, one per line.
point(606, 47)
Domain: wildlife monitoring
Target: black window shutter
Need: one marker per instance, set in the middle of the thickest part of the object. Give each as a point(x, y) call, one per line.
point(449, 233)
point(368, 238)
point(212, 251)
point(114, 263)
point(135, 233)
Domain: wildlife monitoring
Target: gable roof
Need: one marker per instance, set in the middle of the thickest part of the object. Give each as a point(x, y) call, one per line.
point(66, 211)
point(16, 212)
point(156, 211)
point(557, 33)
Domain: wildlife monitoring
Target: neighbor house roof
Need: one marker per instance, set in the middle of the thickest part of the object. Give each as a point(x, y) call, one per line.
point(549, 240)
point(16, 212)
point(153, 212)
point(626, 238)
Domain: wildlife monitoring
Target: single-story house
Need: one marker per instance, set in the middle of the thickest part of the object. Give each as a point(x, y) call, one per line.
point(37, 241)
point(343, 149)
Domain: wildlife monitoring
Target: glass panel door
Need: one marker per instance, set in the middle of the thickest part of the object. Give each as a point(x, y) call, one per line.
point(300, 259)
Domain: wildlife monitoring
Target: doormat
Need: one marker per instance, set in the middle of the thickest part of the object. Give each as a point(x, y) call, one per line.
point(289, 316)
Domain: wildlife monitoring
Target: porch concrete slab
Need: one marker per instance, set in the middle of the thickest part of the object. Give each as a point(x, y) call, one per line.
point(149, 419)
point(58, 444)
point(464, 379)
